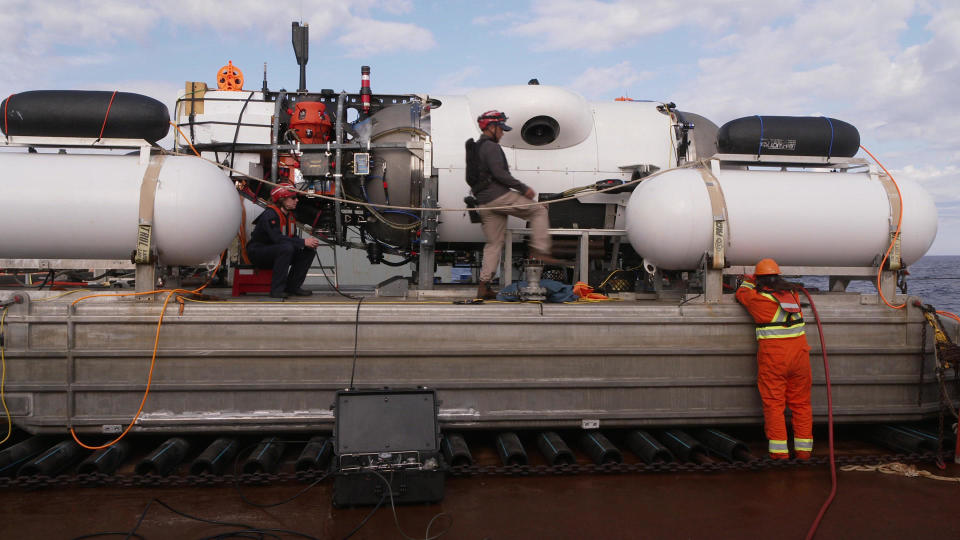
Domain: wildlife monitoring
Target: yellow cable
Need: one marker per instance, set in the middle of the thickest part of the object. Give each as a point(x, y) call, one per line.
point(49, 298)
point(3, 380)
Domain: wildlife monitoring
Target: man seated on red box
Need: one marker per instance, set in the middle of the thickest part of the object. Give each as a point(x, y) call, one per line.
point(274, 245)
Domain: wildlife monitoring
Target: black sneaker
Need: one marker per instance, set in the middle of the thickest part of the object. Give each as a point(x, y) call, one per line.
point(280, 295)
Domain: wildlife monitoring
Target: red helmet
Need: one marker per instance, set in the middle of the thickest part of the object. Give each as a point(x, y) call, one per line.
point(281, 192)
point(493, 117)
point(767, 267)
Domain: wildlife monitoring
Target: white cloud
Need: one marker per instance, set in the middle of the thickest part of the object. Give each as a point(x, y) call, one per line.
point(596, 82)
point(367, 37)
point(457, 83)
point(37, 36)
point(595, 25)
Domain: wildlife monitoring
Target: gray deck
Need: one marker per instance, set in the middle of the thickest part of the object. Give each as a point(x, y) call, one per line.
point(250, 364)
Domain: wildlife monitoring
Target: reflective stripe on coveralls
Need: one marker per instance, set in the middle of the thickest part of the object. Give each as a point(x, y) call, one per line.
point(778, 447)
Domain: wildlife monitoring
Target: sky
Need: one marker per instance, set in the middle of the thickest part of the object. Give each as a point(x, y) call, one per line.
point(889, 67)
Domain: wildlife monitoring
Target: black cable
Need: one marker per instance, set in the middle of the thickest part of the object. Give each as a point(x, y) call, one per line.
point(260, 534)
point(243, 497)
point(236, 132)
point(133, 532)
point(356, 339)
point(50, 277)
point(396, 520)
point(367, 518)
point(109, 533)
point(324, 272)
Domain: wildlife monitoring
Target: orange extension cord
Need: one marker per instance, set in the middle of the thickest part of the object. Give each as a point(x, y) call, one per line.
point(153, 359)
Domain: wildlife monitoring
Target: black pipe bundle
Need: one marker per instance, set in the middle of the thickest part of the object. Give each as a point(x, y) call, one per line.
point(554, 449)
point(511, 449)
point(599, 448)
point(456, 451)
point(165, 458)
point(647, 447)
point(18, 454)
point(724, 445)
point(685, 447)
point(215, 458)
point(315, 455)
point(265, 457)
point(106, 460)
point(53, 461)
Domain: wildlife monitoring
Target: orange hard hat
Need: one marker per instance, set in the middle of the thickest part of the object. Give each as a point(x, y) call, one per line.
point(767, 267)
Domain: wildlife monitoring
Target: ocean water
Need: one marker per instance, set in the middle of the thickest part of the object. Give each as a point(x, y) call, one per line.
point(934, 278)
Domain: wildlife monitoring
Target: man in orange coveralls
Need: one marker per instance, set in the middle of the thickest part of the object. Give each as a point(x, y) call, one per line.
point(783, 358)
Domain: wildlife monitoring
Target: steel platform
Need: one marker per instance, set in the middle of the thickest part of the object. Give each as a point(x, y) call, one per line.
point(250, 364)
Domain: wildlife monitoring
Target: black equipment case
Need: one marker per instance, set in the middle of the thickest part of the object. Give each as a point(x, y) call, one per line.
point(387, 436)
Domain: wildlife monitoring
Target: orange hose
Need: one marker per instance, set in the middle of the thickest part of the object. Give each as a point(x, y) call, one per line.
point(948, 314)
point(895, 234)
point(153, 359)
point(180, 131)
point(153, 362)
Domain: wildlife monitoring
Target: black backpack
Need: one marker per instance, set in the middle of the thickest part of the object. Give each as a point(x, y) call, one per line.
point(477, 179)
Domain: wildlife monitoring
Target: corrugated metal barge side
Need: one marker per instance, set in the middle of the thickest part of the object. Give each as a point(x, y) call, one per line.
point(246, 366)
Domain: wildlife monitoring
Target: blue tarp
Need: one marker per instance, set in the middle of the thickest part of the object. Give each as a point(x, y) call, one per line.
point(557, 292)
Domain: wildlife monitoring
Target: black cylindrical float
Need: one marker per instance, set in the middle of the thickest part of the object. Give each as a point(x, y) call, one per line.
point(53, 461)
point(511, 449)
point(165, 458)
point(897, 439)
point(13, 457)
point(106, 460)
point(456, 451)
point(554, 449)
point(84, 113)
point(685, 447)
point(647, 447)
point(599, 448)
point(265, 457)
point(789, 136)
point(929, 440)
point(315, 455)
point(724, 445)
point(215, 458)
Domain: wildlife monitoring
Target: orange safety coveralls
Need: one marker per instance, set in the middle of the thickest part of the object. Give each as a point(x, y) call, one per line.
point(783, 366)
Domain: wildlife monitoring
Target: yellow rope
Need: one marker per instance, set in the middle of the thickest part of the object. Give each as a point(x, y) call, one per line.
point(900, 469)
point(3, 379)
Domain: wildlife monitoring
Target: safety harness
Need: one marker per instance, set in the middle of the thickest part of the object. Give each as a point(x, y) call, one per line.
point(287, 225)
point(787, 321)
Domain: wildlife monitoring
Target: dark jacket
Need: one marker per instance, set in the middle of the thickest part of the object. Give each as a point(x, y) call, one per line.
point(492, 161)
point(269, 230)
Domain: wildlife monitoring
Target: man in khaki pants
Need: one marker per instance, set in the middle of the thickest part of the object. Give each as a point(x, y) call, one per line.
point(502, 196)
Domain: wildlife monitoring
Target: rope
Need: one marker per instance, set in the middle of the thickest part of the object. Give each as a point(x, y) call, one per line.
point(109, 105)
point(900, 469)
point(689, 165)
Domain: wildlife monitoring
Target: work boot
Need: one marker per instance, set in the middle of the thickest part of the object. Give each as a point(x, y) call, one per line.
point(803, 455)
point(484, 292)
point(300, 292)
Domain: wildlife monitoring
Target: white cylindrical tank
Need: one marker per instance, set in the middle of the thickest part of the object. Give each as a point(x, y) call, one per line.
point(73, 206)
point(797, 218)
